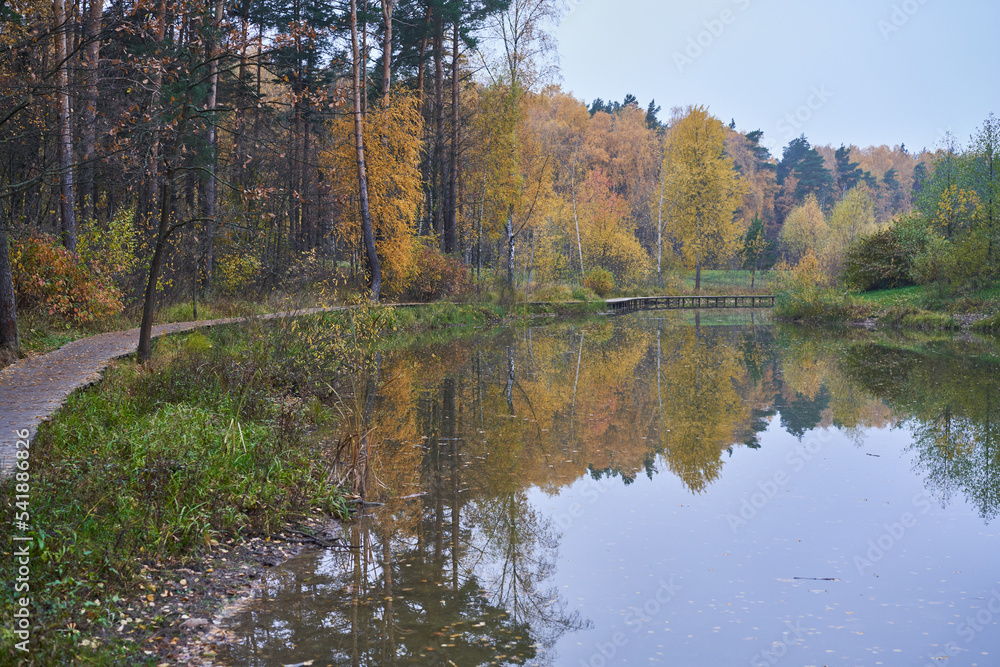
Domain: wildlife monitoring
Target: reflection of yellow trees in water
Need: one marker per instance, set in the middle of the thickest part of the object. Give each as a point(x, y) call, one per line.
point(702, 411)
point(811, 360)
point(544, 406)
point(461, 560)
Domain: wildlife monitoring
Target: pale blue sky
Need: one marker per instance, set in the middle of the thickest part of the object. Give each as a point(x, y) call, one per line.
point(866, 72)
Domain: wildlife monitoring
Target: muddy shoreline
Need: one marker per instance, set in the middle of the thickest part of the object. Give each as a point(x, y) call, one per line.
point(177, 615)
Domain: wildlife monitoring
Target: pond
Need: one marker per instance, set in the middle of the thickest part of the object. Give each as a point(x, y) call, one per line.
point(675, 490)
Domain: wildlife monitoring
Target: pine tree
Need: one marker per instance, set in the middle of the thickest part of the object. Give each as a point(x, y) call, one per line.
point(793, 153)
point(848, 173)
point(814, 178)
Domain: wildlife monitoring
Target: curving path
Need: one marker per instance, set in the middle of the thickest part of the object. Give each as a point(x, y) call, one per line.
point(33, 389)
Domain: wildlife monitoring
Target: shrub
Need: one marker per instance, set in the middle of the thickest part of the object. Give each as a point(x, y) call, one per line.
point(110, 250)
point(962, 263)
point(969, 263)
point(436, 276)
point(236, 272)
point(600, 281)
point(620, 253)
point(48, 276)
point(877, 261)
point(805, 296)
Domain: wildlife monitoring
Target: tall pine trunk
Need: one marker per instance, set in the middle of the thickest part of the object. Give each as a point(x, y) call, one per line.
point(91, 54)
point(387, 9)
point(67, 208)
point(439, 152)
point(451, 215)
point(374, 267)
point(421, 66)
point(8, 306)
point(208, 197)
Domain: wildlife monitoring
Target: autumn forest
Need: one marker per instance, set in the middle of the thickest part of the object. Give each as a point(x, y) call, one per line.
point(154, 151)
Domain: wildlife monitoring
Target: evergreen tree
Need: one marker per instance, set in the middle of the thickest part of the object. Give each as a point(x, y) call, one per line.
point(599, 105)
point(761, 153)
point(652, 121)
point(919, 178)
point(893, 189)
point(757, 250)
point(793, 154)
point(814, 178)
point(848, 173)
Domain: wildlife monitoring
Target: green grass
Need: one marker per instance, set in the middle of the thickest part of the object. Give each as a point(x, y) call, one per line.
point(923, 307)
point(726, 281)
point(910, 317)
point(443, 314)
point(932, 298)
point(990, 324)
point(902, 297)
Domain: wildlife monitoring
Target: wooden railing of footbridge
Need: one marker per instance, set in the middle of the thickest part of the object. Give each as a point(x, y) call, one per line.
point(619, 306)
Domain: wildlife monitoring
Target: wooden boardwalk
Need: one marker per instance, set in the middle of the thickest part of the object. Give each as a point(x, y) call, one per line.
point(621, 306)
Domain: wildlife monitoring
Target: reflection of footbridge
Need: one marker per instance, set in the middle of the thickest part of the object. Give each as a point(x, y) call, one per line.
point(619, 306)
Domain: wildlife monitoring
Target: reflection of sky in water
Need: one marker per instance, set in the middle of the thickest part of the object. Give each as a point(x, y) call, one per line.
point(819, 550)
point(739, 600)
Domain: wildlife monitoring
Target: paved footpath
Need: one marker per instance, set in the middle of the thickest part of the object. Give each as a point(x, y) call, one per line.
point(33, 389)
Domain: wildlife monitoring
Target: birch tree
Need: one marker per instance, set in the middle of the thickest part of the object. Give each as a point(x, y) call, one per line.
point(705, 189)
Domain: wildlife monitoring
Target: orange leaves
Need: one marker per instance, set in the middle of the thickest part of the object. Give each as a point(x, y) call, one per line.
point(436, 276)
point(47, 275)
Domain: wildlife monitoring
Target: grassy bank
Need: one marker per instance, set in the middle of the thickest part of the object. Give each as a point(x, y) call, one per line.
point(914, 307)
point(159, 467)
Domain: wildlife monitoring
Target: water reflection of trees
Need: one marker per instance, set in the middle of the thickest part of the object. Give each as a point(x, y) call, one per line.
point(458, 567)
point(953, 403)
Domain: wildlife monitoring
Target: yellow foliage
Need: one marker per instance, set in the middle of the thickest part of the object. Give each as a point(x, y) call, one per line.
point(392, 130)
point(703, 189)
point(606, 225)
point(804, 230)
point(113, 250)
point(852, 217)
point(236, 271)
point(957, 209)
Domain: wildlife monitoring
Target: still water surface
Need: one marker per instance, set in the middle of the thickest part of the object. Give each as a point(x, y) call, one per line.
point(653, 490)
